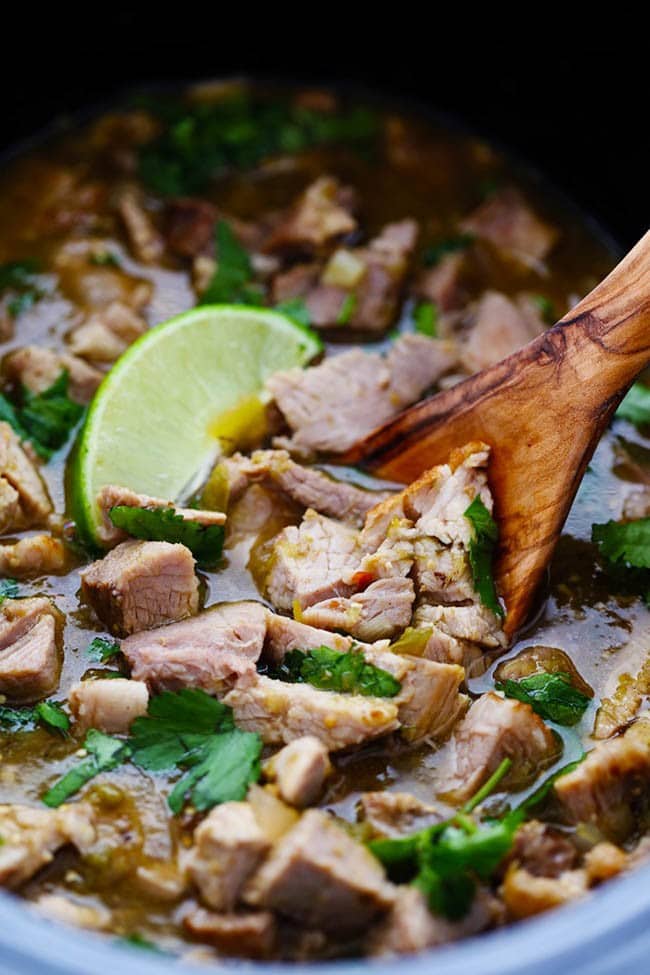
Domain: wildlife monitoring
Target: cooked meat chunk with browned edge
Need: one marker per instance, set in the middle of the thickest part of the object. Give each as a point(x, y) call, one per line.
point(393, 814)
point(410, 926)
point(444, 283)
point(507, 222)
point(24, 501)
point(31, 837)
point(358, 288)
point(34, 555)
point(525, 894)
point(92, 286)
point(542, 660)
point(542, 850)
point(299, 771)
point(37, 368)
point(320, 216)
point(610, 787)
point(381, 611)
point(308, 486)
point(228, 846)
point(319, 876)
point(30, 632)
point(280, 712)
point(107, 333)
point(111, 705)
point(498, 326)
point(141, 585)
point(244, 934)
point(190, 225)
point(213, 650)
point(112, 496)
point(146, 243)
point(330, 406)
point(496, 728)
point(618, 709)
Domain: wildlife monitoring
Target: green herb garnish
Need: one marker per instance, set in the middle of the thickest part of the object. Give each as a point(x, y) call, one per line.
point(192, 731)
point(231, 280)
point(104, 754)
point(296, 309)
point(102, 649)
point(9, 589)
point(546, 308)
point(19, 277)
point(481, 551)
point(449, 245)
point(425, 318)
point(329, 670)
point(48, 713)
point(14, 719)
point(347, 309)
point(104, 259)
point(552, 696)
point(45, 419)
point(626, 543)
point(205, 542)
point(635, 407)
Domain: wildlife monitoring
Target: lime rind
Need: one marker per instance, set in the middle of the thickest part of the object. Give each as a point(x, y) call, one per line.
point(149, 425)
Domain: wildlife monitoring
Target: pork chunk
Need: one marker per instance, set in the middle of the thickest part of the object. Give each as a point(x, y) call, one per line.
point(506, 220)
point(37, 368)
point(228, 846)
point(107, 333)
point(381, 611)
point(496, 728)
point(499, 327)
point(34, 555)
point(321, 215)
point(31, 837)
point(244, 934)
point(29, 501)
point(394, 814)
point(111, 496)
point(610, 786)
point(299, 771)
point(281, 712)
point(111, 705)
point(212, 650)
point(146, 243)
point(330, 406)
point(141, 585)
point(320, 877)
point(30, 631)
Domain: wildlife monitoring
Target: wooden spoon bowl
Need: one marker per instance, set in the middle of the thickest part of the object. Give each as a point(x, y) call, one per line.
point(542, 411)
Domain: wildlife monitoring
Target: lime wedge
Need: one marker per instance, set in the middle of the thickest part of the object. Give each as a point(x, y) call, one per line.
point(157, 420)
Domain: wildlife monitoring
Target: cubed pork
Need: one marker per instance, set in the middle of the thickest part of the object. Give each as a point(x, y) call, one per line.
point(190, 226)
point(31, 837)
point(507, 222)
point(320, 216)
point(299, 771)
point(444, 284)
point(30, 631)
point(37, 368)
point(526, 895)
point(281, 712)
point(34, 555)
point(542, 850)
point(141, 585)
point(111, 496)
point(111, 705)
point(381, 611)
point(499, 326)
point(394, 814)
point(32, 504)
point(496, 728)
point(107, 333)
point(320, 877)
point(241, 934)
point(608, 786)
point(330, 406)
point(212, 651)
point(228, 846)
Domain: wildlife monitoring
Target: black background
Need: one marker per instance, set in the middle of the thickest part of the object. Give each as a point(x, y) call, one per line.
point(576, 107)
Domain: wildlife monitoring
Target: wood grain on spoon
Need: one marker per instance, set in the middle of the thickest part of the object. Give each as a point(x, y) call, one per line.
point(542, 410)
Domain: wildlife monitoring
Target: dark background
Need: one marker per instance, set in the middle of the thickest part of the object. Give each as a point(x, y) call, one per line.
point(576, 107)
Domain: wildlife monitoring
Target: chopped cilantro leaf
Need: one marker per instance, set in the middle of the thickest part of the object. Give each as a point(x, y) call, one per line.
point(425, 318)
point(346, 310)
point(8, 589)
point(635, 407)
point(552, 696)
point(546, 308)
point(104, 754)
point(449, 245)
point(625, 543)
point(205, 542)
point(102, 648)
point(296, 309)
point(330, 670)
point(104, 259)
point(14, 719)
point(18, 277)
point(192, 731)
point(231, 280)
point(48, 713)
point(481, 549)
point(45, 419)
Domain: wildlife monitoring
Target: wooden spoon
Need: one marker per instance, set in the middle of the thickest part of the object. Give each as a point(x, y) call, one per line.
point(542, 410)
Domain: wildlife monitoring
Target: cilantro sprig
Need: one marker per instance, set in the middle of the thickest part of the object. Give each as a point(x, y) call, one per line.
point(104, 754)
point(425, 318)
point(552, 696)
point(50, 714)
point(45, 419)
point(19, 279)
point(103, 649)
point(231, 282)
point(481, 552)
point(635, 407)
point(164, 525)
point(626, 543)
point(9, 589)
point(330, 670)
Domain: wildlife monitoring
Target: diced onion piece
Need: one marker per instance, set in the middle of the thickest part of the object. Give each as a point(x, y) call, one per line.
point(344, 269)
